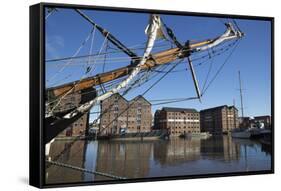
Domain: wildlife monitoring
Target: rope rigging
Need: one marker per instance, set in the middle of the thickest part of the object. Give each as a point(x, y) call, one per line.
point(136, 77)
point(152, 35)
point(141, 79)
point(145, 92)
point(86, 73)
point(75, 54)
point(106, 53)
point(125, 92)
point(208, 55)
point(139, 82)
point(100, 60)
point(221, 67)
point(236, 25)
point(107, 34)
point(99, 56)
point(209, 70)
point(85, 170)
point(88, 68)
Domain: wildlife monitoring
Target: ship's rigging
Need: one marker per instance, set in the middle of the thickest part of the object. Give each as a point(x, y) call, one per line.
point(140, 70)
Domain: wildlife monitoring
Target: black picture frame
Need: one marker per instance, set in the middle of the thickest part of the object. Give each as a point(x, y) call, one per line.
point(37, 93)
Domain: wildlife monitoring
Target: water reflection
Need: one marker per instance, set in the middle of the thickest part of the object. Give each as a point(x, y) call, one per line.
point(138, 159)
point(124, 159)
point(220, 148)
point(70, 153)
point(176, 151)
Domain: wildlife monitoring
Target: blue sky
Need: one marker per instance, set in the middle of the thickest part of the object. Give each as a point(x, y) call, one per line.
point(66, 30)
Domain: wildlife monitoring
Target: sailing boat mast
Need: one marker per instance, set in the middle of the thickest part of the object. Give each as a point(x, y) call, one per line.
point(235, 117)
point(241, 95)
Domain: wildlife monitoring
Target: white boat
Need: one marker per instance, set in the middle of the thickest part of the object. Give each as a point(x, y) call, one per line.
point(199, 135)
point(253, 132)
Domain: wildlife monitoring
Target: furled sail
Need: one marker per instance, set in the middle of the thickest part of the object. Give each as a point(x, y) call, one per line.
point(152, 30)
point(229, 34)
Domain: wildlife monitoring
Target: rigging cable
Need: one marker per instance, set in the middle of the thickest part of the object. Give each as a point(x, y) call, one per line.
point(75, 54)
point(222, 50)
point(123, 94)
point(84, 170)
point(110, 37)
point(112, 52)
point(235, 23)
point(103, 68)
point(120, 59)
point(70, 90)
point(147, 90)
point(220, 68)
point(172, 100)
point(209, 71)
point(159, 81)
point(91, 48)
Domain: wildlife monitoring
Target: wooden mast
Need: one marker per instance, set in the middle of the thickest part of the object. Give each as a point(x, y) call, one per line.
point(156, 59)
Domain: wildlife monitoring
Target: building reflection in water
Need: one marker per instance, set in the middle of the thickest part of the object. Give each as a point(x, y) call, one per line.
point(176, 151)
point(141, 159)
point(68, 152)
point(126, 159)
point(220, 148)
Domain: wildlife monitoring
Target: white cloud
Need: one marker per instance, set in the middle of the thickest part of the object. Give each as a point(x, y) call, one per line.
point(53, 46)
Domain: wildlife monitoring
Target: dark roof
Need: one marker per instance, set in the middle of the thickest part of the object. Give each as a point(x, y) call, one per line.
point(219, 107)
point(118, 95)
point(232, 106)
point(261, 116)
point(140, 97)
point(246, 118)
point(134, 99)
point(176, 109)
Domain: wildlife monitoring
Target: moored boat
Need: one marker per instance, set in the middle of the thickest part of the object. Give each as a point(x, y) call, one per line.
point(152, 135)
point(200, 135)
point(250, 133)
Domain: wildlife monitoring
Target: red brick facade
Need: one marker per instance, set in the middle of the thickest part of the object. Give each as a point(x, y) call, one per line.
point(120, 115)
point(82, 124)
point(219, 120)
point(177, 120)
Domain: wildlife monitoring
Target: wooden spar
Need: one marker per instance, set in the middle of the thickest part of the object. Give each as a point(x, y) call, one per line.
point(156, 59)
point(109, 36)
point(194, 79)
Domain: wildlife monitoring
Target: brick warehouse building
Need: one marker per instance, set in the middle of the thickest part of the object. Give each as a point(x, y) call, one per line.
point(82, 124)
point(177, 120)
point(218, 120)
point(120, 115)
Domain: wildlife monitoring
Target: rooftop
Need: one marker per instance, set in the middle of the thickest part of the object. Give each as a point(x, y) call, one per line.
point(220, 107)
point(176, 109)
point(139, 97)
